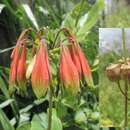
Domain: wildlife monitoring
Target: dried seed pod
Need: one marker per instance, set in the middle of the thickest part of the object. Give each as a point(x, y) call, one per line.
point(125, 71)
point(113, 72)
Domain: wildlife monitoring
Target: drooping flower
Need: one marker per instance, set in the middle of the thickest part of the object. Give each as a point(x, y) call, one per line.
point(21, 69)
point(41, 71)
point(13, 70)
point(18, 64)
point(80, 61)
point(68, 72)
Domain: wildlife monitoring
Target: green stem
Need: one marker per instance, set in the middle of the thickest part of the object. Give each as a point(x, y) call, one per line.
point(123, 93)
point(62, 29)
point(124, 44)
point(126, 81)
point(50, 108)
point(126, 104)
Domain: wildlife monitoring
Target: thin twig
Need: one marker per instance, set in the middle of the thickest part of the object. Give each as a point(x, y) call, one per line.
point(123, 93)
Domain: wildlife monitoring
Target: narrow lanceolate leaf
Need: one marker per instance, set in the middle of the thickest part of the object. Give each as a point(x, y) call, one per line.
point(6, 94)
point(1, 7)
point(30, 15)
point(89, 19)
point(6, 49)
point(68, 72)
point(41, 71)
point(4, 122)
point(6, 103)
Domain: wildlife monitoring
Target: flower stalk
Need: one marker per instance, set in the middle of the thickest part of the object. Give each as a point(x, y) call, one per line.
point(50, 108)
point(126, 80)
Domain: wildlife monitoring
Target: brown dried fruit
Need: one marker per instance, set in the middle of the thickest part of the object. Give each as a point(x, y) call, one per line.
point(113, 72)
point(125, 71)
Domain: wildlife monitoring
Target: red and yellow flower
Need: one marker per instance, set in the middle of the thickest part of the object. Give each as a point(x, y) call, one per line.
point(80, 61)
point(17, 76)
point(18, 68)
point(41, 71)
point(68, 72)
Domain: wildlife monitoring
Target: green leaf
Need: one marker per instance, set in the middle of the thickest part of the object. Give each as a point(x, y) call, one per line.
point(68, 21)
point(91, 18)
point(1, 7)
point(61, 109)
point(25, 126)
point(95, 116)
point(6, 103)
point(4, 122)
point(56, 122)
point(69, 100)
point(4, 90)
point(6, 49)
point(71, 18)
point(80, 116)
point(40, 121)
point(30, 15)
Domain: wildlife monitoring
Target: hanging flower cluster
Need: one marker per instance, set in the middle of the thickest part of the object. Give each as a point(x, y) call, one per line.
point(73, 67)
point(18, 64)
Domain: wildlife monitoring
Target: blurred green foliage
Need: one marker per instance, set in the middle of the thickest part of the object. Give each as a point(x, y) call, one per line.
point(119, 17)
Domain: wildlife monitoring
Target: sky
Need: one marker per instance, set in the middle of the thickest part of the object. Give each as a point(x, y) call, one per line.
point(110, 39)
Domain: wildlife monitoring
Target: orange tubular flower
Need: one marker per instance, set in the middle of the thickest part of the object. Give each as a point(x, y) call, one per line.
point(13, 71)
point(68, 72)
point(41, 72)
point(18, 64)
point(21, 69)
point(80, 61)
point(18, 67)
